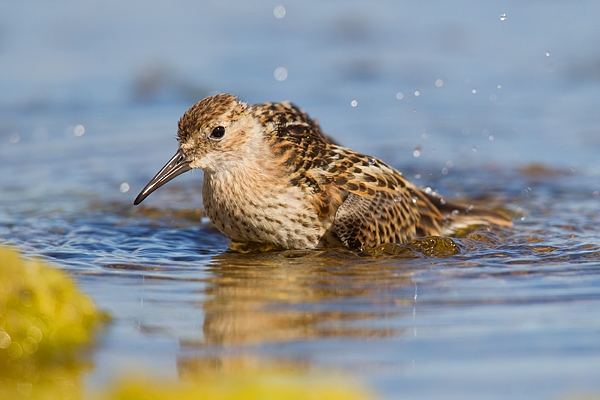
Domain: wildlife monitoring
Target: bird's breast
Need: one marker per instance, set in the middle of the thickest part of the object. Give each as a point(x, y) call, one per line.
point(262, 210)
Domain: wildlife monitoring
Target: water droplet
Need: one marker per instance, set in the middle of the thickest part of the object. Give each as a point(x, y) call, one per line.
point(124, 188)
point(416, 152)
point(499, 86)
point(35, 333)
point(491, 137)
point(444, 171)
point(415, 199)
point(502, 17)
point(396, 199)
point(29, 345)
point(493, 97)
point(417, 93)
point(442, 201)
point(79, 130)
point(595, 193)
point(428, 190)
point(399, 95)
point(439, 83)
point(474, 90)
point(449, 163)
point(371, 161)
point(5, 340)
point(474, 149)
point(14, 350)
point(455, 213)
point(354, 103)
point(14, 137)
point(547, 54)
point(279, 11)
point(469, 208)
point(417, 176)
point(280, 74)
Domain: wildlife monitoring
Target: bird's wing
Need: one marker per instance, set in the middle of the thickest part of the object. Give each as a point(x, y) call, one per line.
point(368, 201)
point(363, 222)
point(381, 206)
point(459, 215)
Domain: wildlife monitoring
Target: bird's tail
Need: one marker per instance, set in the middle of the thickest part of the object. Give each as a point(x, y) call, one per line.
point(456, 215)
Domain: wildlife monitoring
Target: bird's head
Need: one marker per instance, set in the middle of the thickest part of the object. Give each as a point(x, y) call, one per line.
point(217, 134)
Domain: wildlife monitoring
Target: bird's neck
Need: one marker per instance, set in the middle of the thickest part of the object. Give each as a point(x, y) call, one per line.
point(251, 177)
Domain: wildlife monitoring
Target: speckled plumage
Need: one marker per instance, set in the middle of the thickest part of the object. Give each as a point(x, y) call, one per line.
point(271, 176)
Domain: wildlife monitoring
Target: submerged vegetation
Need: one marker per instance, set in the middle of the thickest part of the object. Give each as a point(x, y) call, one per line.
point(46, 326)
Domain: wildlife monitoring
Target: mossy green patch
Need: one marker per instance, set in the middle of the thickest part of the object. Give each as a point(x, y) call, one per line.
point(46, 323)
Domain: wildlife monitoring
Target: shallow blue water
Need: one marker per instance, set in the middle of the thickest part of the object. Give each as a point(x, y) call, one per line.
point(504, 112)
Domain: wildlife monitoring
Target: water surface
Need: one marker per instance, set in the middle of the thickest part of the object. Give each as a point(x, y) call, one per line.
point(502, 113)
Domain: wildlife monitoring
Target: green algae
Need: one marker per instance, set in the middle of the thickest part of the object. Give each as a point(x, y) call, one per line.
point(46, 323)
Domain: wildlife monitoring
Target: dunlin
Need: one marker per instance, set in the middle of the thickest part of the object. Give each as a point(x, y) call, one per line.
point(271, 176)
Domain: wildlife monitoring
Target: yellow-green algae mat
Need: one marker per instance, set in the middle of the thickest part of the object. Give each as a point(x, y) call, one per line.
point(47, 330)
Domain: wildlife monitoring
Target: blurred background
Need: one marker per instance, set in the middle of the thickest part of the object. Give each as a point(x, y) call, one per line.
point(495, 100)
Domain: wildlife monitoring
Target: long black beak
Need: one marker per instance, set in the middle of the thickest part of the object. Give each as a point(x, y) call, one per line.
point(176, 166)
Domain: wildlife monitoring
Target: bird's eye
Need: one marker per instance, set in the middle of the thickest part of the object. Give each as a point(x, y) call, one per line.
point(217, 133)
